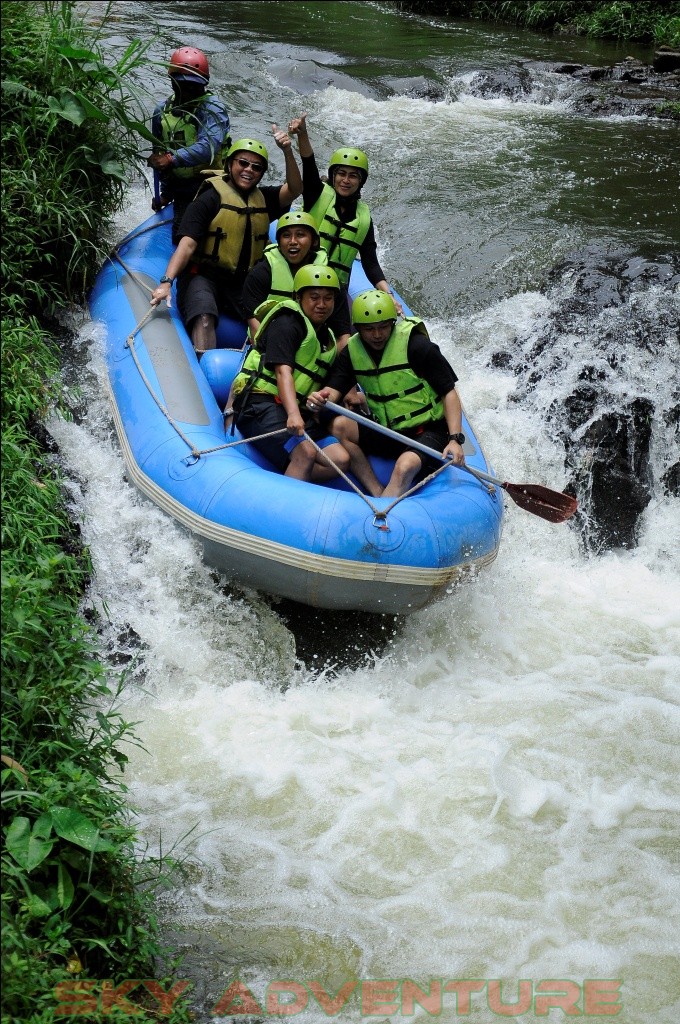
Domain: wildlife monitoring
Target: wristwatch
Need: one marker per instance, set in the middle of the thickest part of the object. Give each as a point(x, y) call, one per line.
point(165, 280)
point(459, 438)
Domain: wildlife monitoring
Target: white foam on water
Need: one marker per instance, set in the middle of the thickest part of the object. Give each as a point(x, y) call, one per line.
point(493, 797)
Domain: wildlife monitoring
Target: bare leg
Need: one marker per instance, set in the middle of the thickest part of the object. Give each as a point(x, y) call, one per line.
point(301, 461)
point(203, 333)
point(323, 471)
point(405, 468)
point(347, 432)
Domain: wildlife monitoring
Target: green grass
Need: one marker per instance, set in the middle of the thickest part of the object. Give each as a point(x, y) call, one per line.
point(671, 111)
point(641, 21)
point(76, 901)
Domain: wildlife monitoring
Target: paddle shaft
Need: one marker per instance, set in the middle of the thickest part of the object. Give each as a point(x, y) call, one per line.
point(408, 441)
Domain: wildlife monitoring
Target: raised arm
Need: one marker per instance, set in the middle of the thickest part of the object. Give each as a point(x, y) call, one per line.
point(298, 126)
point(293, 184)
point(312, 183)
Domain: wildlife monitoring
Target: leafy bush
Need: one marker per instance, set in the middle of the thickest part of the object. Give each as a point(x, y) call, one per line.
point(74, 902)
point(68, 141)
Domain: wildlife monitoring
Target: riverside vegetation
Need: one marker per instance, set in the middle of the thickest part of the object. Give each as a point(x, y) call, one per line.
point(77, 899)
point(655, 22)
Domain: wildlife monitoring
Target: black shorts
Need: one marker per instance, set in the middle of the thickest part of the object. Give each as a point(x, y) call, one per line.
point(199, 294)
point(433, 435)
point(263, 414)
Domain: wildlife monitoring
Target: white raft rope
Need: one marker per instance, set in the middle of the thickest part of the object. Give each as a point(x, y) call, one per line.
point(196, 453)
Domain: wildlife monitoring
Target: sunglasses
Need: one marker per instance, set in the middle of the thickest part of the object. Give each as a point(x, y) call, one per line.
point(258, 168)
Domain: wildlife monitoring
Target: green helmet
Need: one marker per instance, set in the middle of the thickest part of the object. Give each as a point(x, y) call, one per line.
point(373, 307)
point(348, 157)
point(297, 218)
point(311, 276)
point(249, 146)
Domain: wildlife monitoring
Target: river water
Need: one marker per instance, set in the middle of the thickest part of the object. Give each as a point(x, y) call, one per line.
point(485, 790)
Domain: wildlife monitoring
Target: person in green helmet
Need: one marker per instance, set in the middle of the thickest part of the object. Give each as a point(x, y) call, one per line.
point(271, 279)
point(409, 387)
point(342, 216)
point(223, 234)
point(292, 353)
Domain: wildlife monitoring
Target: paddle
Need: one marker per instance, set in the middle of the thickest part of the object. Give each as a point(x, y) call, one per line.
point(555, 506)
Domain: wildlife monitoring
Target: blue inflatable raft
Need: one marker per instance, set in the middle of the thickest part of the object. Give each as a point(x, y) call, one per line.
point(321, 545)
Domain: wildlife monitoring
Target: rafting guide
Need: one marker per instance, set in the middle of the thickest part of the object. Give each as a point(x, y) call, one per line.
point(192, 128)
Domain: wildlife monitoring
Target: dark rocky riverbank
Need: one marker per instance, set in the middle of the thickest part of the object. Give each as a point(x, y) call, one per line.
point(604, 369)
point(629, 88)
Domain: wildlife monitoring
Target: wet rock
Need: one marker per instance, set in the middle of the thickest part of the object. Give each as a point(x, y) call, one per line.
point(666, 60)
point(502, 360)
point(419, 87)
point(579, 406)
point(610, 473)
point(627, 88)
point(509, 82)
point(430, 92)
point(612, 103)
point(567, 69)
point(604, 371)
point(671, 480)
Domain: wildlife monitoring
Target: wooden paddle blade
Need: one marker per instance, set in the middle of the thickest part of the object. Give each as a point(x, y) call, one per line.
point(555, 506)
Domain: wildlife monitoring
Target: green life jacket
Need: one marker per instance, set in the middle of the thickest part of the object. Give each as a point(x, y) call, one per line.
point(226, 233)
point(311, 362)
point(396, 395)
point(282, 275)
point(179, 131)
point(341, 240)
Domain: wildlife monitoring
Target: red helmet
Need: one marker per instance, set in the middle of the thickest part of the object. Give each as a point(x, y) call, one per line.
point(188, 64)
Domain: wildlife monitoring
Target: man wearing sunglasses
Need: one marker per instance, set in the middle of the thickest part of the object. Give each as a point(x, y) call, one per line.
point(223, 234)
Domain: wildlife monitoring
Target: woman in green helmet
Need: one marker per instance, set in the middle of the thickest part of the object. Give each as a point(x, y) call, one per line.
point(342, 217)
point(292, 353)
